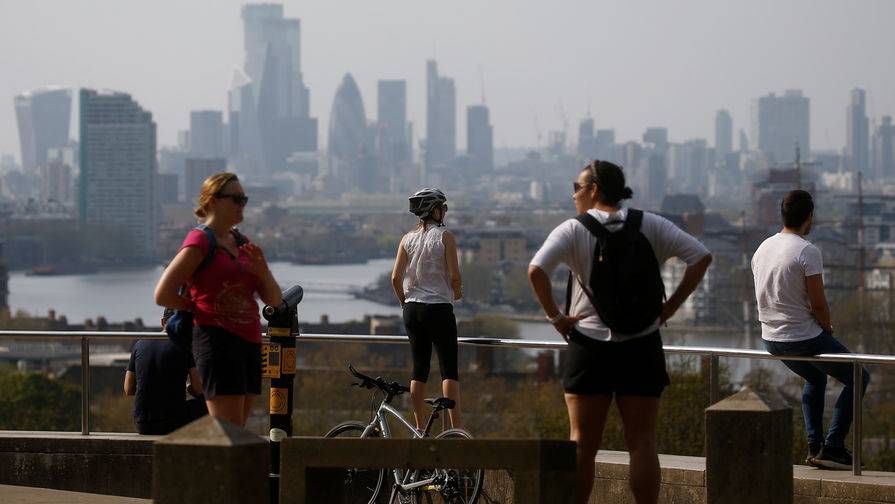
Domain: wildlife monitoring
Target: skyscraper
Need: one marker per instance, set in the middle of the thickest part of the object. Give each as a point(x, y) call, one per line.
point(480, 136)
point(206, 134)
point(586, 138)
point(657, 137)
point(348, 131)
point(857, 140)
point(117, 183)
point(391, 119)
point(723, 135)
point(441, 117)
point(43, 117)
point(271, 89)
point(885, 148)
point(780, 123)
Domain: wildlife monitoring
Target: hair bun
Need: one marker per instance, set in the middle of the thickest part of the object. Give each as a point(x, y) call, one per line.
point(627, 193)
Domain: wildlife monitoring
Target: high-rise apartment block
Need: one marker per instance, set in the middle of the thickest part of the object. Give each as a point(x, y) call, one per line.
point(780, 124)
point(117, 182)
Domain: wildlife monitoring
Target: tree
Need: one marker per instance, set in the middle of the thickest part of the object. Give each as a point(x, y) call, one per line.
point(33, 401)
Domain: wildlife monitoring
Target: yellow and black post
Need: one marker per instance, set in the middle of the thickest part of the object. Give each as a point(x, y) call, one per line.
point(278, 359)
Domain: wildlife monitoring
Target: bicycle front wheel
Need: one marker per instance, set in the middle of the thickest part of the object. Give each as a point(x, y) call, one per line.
point(361, 486)
point(456, 486)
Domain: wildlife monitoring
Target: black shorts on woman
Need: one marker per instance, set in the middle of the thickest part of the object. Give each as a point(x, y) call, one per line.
point(227, 363)
point(432, 325)
point(634, 367)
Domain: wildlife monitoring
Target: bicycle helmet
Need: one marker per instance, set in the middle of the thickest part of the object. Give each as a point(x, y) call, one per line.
point(424, 201)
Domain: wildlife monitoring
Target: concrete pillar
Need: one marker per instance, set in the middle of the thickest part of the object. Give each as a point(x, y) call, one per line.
point(210, 461)
point(748, 444)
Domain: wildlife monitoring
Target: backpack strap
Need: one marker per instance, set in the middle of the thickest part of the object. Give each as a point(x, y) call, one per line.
point(633, 221)
point(568, 294)
point(593, 225)
point(212, 245)
point(240, 238)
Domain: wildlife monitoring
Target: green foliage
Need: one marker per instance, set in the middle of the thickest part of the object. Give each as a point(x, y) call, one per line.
point(490, 326)
point(33, 401)
point(478, 283)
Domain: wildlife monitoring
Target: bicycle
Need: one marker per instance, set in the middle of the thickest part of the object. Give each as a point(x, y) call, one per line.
point(363, 486)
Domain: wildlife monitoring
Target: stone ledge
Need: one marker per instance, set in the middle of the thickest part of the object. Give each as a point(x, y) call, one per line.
point(683, 481)
point(103, 463)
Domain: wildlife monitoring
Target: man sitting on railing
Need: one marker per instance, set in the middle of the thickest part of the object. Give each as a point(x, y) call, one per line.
point(156, 374)
point(795, 321)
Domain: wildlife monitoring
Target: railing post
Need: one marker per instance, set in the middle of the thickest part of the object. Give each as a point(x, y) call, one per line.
point(713, 379)
point(85, 385)
point(857, 434)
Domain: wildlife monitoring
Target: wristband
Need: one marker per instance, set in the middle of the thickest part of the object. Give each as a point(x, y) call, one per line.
point(556, 318)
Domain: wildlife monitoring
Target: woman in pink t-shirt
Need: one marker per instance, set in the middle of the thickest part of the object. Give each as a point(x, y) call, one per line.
point(227, 331)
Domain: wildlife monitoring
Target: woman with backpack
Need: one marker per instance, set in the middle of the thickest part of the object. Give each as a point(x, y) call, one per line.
point(223, 271)
point(613, 312)
point(426, 280)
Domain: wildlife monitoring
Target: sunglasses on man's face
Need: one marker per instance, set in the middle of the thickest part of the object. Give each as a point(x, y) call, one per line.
point(239, 199)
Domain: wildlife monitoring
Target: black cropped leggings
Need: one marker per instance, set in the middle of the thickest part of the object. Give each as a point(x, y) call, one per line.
point(431, 325)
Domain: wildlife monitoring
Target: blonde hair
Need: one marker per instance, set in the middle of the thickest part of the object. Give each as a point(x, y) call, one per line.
point(212, 186)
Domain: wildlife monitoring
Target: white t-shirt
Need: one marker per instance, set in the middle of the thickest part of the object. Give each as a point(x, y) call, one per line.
point(779, 268)
point(426, 279)
point(573, 245)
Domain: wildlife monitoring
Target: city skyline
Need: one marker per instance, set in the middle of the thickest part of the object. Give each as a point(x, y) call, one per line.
point(524, 76)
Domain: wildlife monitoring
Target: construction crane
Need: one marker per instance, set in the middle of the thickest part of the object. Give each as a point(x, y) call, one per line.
point(563, 117)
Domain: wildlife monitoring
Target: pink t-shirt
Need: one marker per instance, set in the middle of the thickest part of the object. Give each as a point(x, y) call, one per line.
point(224, 290)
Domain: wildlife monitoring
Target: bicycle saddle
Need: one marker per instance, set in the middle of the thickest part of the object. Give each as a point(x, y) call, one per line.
point(441, 403)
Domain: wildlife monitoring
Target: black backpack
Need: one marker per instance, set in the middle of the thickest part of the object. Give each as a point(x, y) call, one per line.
point(625, 280)
point(178, 324)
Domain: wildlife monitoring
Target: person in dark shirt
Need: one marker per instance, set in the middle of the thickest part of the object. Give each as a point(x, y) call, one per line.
point(156, 375)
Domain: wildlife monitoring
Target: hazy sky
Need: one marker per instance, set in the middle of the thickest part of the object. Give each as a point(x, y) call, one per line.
point(632, 63)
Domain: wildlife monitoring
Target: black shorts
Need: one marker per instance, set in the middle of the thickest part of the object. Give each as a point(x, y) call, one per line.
point(431, 325)
point(228, 364)
point(629, 368)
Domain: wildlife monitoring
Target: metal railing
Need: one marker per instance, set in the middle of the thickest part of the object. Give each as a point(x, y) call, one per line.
point(712, 353)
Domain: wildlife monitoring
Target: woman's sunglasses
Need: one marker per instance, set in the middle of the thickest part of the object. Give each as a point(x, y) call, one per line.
point(577, 187)
point(239, 199)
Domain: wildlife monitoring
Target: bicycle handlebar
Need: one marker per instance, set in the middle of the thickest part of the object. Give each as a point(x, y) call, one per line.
point(393, 388)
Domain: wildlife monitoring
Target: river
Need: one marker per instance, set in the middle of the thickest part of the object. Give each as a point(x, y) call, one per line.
point(126, 294)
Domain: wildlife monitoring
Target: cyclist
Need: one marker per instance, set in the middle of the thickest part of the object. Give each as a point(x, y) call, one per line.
point(602, 362)
point(227, 331)
point(426, 280)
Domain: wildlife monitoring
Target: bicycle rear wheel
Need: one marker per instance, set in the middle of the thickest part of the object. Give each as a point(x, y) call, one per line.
point(361, 486)
point(459, 486)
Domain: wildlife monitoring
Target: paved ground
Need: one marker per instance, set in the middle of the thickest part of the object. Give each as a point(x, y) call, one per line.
point(27, 495)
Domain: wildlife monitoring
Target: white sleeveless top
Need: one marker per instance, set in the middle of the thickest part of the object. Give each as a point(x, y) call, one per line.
point(426, 279)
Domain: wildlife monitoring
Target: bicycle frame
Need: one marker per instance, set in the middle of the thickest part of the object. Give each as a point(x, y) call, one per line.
point(381, 419)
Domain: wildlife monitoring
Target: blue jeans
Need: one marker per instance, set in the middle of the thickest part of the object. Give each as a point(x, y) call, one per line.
point(815, 375)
